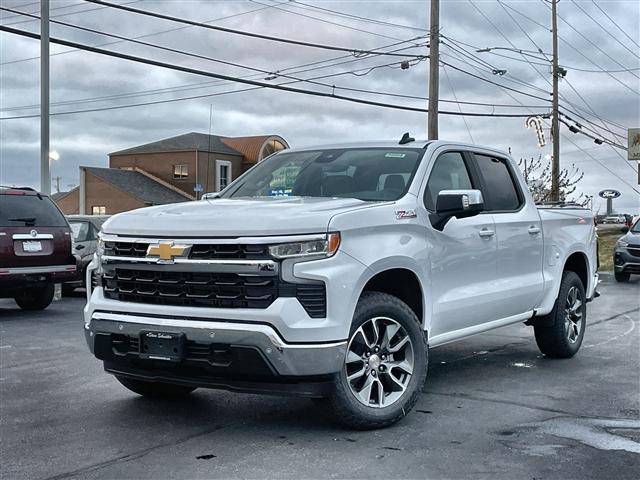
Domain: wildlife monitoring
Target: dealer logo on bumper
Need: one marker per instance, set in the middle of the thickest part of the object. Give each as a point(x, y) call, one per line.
point(166, 252)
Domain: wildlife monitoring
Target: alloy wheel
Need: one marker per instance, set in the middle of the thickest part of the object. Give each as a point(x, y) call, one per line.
point(379, 362)
point(573, 314)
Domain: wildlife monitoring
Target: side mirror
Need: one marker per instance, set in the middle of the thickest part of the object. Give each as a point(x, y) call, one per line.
point(456, 203)
point(625, 229)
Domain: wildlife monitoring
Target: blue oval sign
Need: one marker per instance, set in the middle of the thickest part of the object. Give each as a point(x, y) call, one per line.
point(609, 193)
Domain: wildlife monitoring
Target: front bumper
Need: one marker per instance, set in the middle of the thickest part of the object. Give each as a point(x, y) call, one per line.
point(626, 262)
point(219, 354)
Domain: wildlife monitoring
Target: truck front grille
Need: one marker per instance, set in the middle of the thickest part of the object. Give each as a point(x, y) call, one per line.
point(199, 251)
point(207, 289)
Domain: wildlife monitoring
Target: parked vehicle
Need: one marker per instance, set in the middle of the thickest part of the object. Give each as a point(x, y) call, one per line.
point(85, 229)
point(35, 248)
point(330, 272)
point(614, 219)
point(626, 255)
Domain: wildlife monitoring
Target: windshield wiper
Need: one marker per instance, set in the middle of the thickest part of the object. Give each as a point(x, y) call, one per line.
point(28, 221)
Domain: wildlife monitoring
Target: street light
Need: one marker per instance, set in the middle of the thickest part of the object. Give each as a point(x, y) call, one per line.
point(54, 155)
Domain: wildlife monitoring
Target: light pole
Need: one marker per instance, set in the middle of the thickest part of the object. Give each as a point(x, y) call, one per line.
point(45, 172)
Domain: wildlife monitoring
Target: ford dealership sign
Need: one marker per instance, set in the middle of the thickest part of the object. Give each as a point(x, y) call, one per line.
point(609, 193)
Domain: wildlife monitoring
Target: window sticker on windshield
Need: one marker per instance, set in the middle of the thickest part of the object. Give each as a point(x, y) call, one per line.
point(280, 192)
point(395, 155)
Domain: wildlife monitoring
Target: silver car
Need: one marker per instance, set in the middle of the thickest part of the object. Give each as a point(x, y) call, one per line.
point(85, 230)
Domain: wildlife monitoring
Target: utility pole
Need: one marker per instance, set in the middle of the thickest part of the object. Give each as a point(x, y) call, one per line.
point(434, 70)
point(555, 126)
point(57, 180)
point(45, 173)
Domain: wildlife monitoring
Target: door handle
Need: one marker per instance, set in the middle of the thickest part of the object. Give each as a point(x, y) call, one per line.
point(485, 232)
point(533, 230)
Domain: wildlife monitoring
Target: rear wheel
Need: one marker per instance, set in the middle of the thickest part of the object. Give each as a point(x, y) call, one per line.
point(385, 365)
point(154, 389)
point(37, 298)
point(563, 335)
point(622, 277)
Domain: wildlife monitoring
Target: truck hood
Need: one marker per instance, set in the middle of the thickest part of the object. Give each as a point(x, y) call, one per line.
point(233, 218)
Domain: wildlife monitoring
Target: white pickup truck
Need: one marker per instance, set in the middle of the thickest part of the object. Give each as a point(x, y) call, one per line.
point(330, 272)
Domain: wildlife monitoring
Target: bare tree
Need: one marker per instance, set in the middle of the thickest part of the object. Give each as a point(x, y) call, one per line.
point(537, 175)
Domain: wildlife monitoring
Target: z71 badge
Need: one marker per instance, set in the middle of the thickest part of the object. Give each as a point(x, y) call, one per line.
point(403, 214)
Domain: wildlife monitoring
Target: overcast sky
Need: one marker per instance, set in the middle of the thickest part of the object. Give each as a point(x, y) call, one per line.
point(86, 138)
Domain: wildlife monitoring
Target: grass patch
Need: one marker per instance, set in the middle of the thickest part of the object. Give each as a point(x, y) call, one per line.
point(607, 239)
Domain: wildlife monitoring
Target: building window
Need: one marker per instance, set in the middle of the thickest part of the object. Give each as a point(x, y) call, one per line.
point(98, 210)
point(180, 171)
point(223, 174)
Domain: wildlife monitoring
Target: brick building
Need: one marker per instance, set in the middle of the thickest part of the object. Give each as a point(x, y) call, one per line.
point(166, 171)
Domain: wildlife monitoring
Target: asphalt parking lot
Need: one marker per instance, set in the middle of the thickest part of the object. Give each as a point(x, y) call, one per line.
point(493, 407)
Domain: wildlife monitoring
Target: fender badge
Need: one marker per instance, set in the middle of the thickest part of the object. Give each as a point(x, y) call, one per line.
point(403, 214)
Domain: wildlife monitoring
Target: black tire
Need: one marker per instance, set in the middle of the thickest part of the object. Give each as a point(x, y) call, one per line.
point(155, 389)
point(621, 276)
point(352, 412)
point(35, 298)
point(563, 335)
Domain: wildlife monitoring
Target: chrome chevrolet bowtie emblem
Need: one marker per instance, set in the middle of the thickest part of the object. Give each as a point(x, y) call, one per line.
point(166, 252)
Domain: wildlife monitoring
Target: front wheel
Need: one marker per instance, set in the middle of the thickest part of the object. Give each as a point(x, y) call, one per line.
point(154, 389)
point(385, 366)
point(564, 331)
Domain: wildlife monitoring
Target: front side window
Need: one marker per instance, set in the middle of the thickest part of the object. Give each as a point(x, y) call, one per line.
point(180, 171)
point(449, 172)
point(500, 192)
point(98, 210)
point(369, 174)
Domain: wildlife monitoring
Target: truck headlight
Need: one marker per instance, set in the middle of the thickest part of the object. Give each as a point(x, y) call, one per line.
point(622, 243)
point(325, 247)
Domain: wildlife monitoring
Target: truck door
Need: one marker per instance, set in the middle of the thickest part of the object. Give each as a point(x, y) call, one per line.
point(463, 258)
point(519, 236)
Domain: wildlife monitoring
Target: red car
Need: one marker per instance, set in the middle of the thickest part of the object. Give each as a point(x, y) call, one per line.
point(35, 248)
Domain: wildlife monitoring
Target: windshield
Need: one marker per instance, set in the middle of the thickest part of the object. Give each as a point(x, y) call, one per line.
point(636, 227)
point(29, 211)
point(370, 174)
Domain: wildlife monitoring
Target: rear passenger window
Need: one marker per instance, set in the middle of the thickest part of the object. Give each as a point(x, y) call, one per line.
point(500, 192)
point(449, 173)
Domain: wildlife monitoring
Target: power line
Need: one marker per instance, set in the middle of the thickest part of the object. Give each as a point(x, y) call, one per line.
point(296, 70)
point(295, 3)
point(444, 69)
point(635, 54)
point(147, 35)
point(278, 7)
point(579, 69)
point(353, 51)
point(174, 50)
point(614, 22)
point(71, 13)
point(546, 58)
point(247, 81)
point(567, 138)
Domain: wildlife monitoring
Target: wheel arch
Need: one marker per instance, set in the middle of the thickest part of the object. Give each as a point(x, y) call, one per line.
point(577, 262)
point(403, 283)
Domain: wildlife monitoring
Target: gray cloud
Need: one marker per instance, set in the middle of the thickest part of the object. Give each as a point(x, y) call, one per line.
point(86, 139)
